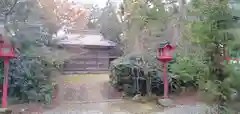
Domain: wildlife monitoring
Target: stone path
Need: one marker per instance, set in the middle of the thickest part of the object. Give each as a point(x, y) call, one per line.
point(188, 109)
point(91, 94)
point(124, 107)
point(127, 107)
point(88, 88)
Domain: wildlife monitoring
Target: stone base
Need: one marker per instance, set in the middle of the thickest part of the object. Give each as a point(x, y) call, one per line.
point(137, 97)
point(5, 111)
point(165, 102)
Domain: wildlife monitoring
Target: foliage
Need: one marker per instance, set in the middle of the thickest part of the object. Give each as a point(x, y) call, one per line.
point(188, 70)
point(213, 33)
point(28, 84)
point(55, 14)
point(144, 25)
point(110, 26)
point(125, 70)
point(94, 16)
point(143, 21)
point(31, 73)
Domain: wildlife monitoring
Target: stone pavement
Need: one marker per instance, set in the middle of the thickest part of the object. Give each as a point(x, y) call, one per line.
point(188, 109)
point(112, 107)
point(126, 107)
point(88, 88)
point(91, 94)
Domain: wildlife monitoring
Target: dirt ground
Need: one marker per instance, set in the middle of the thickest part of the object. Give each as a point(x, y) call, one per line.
point(91, 94)
point(88, 88)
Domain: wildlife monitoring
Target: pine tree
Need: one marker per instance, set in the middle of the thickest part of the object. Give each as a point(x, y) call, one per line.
point(210, 33)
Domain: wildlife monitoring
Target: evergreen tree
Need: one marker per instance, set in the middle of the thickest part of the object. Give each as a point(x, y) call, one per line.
point(31, 73)
point(110, 26)
point(210, 34)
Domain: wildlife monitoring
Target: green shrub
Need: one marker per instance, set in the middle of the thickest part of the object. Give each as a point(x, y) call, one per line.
point(31, 73)
point(30, 79)
point(123, 75)
point(189, 70)
point(194, 71)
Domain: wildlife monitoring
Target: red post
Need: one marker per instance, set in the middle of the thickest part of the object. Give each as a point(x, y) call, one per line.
point(165, 80)
point(5, 83)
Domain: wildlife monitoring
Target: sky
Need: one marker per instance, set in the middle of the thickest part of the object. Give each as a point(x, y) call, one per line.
point(101, 3)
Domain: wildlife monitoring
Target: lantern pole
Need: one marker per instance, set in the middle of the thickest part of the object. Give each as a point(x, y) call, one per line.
point(165, 80)
point(165, 57)
point(5, 83)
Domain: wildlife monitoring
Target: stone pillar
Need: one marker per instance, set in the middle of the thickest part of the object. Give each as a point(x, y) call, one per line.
point(5, 111)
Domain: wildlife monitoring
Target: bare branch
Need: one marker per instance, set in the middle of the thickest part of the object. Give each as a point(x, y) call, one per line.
point(12, 7)
point(7, 14)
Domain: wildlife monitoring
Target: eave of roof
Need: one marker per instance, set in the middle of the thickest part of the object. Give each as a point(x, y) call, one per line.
point(91, 40)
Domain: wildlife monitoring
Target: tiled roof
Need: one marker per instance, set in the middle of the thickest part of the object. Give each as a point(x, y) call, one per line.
point(87, 39)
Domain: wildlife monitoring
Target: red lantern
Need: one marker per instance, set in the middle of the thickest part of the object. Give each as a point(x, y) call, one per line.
point(6, 53)
point(164, 55)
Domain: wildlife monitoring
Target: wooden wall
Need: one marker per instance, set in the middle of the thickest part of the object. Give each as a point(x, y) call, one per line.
point(87, 59)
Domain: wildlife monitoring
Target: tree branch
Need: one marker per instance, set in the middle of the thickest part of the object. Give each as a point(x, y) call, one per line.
point(7, 14)
point(11, 9)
